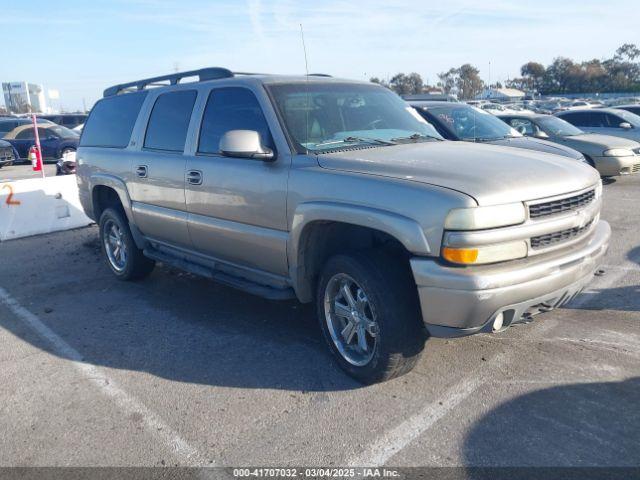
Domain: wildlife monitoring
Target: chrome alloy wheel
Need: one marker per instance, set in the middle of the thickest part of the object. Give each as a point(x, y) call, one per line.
point(114, 245)
point(350, 319)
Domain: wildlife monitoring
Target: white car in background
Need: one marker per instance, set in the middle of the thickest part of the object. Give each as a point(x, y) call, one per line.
point(497, 109)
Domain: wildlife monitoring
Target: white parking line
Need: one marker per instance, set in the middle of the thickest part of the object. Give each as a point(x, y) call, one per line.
point(397, 438)
point(394, 440)
point(155, 425)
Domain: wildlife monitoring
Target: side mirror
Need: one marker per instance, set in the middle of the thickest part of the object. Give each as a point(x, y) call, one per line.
point(244, 144)
point(542, 135)
point(626, 125)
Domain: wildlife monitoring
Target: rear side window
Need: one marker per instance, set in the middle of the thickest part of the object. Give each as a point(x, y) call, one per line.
point(614, 121)
point(111, 121)
point(580, 119)
point(231, 109)
point(169, 121)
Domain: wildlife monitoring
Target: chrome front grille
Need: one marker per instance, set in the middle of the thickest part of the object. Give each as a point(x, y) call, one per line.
point(635, 168)
point(561, 205)
point(543, 241)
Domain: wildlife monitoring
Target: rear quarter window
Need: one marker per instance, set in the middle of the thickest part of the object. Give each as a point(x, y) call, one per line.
point(111, 121)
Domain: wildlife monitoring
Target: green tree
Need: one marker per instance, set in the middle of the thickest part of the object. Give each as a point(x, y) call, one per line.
point(404, 84)
point(533, 74)
point(465, 81)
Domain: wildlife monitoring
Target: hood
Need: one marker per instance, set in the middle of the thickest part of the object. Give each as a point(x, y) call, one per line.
point(490, 174)
point(603, 141)
point(4, 143)
point(538, 145)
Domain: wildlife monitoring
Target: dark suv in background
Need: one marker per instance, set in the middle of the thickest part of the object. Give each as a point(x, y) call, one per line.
point(69, 120)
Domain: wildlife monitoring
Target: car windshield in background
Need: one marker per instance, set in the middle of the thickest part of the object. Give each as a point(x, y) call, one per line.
point(629, 117)
point(63, 132)
point(470, 123)
point(557, 126)
point(325, 117)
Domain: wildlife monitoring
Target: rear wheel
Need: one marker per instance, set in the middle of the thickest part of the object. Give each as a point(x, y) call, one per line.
point(123, 256)
point(369, 315)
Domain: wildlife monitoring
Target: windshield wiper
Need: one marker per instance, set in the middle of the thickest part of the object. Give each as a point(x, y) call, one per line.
point(487, 139)
point(352, 139)
point(415, 136)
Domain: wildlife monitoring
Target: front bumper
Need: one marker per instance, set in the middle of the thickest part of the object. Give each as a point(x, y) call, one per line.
point(459, 301)
point(613, 166)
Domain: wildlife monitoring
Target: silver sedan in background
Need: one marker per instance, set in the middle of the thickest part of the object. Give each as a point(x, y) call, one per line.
point(610, 155)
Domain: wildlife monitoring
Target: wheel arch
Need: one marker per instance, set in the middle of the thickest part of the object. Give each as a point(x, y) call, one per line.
point(321, 229)
point(110, 191)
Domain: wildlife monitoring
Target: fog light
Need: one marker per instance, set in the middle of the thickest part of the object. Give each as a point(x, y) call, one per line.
point(497, 323)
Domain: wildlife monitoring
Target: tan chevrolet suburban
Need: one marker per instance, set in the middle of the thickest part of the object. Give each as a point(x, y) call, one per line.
point(337, 192)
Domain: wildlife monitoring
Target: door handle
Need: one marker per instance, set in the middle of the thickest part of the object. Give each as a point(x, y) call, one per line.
point(194, 177)
point(141, 171)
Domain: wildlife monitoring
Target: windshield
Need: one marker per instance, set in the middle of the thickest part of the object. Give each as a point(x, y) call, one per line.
point(629, 117)
point(557, 126)
point(321, 117)
point(62, 132)
point(469, 123)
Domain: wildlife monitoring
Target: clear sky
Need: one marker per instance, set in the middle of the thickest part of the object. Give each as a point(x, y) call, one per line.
point(79, 47)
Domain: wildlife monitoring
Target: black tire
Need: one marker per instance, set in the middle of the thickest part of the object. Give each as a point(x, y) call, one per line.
point(391, 291)
point(136, 266)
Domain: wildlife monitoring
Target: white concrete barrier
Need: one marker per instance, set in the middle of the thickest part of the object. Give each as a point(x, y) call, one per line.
point(36, 206)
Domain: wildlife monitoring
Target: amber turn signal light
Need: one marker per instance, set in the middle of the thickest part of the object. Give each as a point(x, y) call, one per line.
point(460, 255)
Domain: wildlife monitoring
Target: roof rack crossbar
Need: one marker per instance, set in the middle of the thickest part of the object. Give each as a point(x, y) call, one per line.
point(203, 74)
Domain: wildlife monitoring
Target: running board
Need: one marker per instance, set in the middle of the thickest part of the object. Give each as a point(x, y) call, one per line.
point(264, 291)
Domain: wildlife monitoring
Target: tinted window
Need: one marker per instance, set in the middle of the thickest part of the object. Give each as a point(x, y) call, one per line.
point(231, 109)
point(27, 134)
point(580, 119)
point(111, 121)
point(7, 126)
point(612, 121)
point(169, 121)
point(469, 123)
point(523, 125)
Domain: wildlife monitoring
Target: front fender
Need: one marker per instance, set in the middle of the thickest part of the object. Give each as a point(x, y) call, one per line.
point(406, 230)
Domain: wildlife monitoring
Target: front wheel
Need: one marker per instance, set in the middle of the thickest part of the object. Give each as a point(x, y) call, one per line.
point(123, 256)
point(369, 315)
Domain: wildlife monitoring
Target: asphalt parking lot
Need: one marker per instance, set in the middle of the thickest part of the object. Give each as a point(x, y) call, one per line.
point(176, 370)
point(22, 171)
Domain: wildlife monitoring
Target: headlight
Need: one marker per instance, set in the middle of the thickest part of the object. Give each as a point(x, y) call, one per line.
point(488, 254)
point(598, 192)
point(618, 152)
point(478, 218)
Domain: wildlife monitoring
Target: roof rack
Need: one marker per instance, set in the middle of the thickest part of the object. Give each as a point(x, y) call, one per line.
point(203, 74)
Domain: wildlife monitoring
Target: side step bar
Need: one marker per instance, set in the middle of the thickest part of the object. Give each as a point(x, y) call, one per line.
point(243, 284)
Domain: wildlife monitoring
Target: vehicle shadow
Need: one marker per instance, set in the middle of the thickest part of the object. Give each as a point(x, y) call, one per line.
point(173, 325)
point(576, 425)
point(624, 299)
